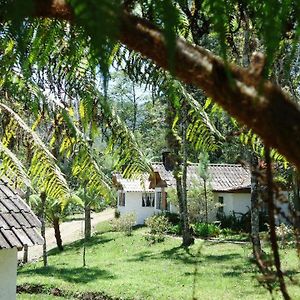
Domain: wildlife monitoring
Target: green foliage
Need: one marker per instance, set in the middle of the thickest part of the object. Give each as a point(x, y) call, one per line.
point(197, 202)
point(206, 230)
point(241, 223)
point(124, 224)
point(175, 229)
point(158, 226)
point(43, 172)
point(285, 235)
point(13, 168)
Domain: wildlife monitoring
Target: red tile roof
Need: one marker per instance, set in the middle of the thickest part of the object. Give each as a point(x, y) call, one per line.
point(18, 224)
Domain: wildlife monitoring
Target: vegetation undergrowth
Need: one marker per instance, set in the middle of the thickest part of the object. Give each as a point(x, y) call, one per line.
point(128, 268)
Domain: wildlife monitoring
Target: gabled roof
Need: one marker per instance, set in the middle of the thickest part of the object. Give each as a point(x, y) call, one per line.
point(222, 177)
point(133, 185)
point(18, 224)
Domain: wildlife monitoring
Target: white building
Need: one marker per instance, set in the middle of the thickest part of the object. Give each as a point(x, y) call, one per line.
point(230, 184)
point(18, 227)
point(136, 196)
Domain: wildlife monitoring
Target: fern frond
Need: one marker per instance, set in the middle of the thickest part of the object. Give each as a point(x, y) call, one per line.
point(43, 171)
point(12, 168)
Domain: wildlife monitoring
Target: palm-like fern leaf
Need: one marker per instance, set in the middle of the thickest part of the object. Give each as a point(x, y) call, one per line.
point(44, 172)
point(13, 168)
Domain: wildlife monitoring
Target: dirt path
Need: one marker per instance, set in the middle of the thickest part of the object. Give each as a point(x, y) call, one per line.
point(70, 232)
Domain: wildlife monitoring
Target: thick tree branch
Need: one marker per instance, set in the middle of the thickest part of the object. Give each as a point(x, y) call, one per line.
point(261, 106)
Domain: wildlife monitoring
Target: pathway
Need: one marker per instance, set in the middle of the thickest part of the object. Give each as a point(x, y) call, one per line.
point(70, 232)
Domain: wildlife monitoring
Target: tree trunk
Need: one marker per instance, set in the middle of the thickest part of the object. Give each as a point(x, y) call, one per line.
point(57, 234)
point(296, 208)
point(205, 199)
point(87, 220)
point(43, 197)
point(25, 254)
point(25, 249)
point(187, 238)
point(135, 107)
point(273, 236)
point(255, 207)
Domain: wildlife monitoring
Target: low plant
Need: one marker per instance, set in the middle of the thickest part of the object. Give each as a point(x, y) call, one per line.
point(117, 214)
point(124, 223)
point(158, 226)
point(285, 235)
point(175, 229)
point(206, 230)
point(173, 218)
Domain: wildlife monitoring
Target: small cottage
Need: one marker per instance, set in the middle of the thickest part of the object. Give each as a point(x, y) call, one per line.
point(229, 183)
point(18, 227)
point(136, 196)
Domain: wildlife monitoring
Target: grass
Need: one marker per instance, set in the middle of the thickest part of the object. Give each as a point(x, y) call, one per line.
point(128, 267)
point(37, 297)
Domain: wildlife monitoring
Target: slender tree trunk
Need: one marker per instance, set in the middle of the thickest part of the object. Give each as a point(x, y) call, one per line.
point(25, 249)
point(43, 197)
point(135, 107)
point(25, 254)
point(273, 237)
point(255, 207)
point(205, 199)
point(57, 234)
point(87, 220)
point(187, 238)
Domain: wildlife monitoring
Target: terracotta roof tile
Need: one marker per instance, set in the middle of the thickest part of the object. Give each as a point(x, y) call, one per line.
point(18, 224)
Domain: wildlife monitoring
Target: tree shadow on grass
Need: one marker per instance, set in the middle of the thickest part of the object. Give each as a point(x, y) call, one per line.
point(179, 253)
point(73, 275)
point(222, 257)
point(77, 245)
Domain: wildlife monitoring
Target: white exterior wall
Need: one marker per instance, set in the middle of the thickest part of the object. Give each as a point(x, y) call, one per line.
point(235, 202)
point(133, 204)
point(8, 274)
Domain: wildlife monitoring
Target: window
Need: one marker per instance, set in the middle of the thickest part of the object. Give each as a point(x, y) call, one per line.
point(158, 200)
point(148, 200)
point(121, 198)
point(221, 207)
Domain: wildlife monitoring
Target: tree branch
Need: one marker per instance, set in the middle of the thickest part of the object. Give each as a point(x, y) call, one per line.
point(262, 106)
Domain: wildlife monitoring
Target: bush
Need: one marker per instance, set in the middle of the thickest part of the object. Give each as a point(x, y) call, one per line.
point(172, 218)
point(124, 223)
point(117, 214)
point(206, 230)
point(285, 235)
point(241, 223)
point(175, 229)
point(158, 227)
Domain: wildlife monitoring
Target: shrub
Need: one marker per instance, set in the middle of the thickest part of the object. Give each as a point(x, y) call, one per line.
point(285, 235)
point(172, 218)
point(175, 229)
point(242, 222)
point(158, 226)
point(117, 214)
point(206, 230)
point(124, 223)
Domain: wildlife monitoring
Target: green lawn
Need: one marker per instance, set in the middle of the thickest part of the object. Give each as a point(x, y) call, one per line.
point(129, 267)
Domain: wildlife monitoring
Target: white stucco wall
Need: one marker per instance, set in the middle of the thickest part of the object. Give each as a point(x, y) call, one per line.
point(236, 202)
point(133, 204)
point(8, 274)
